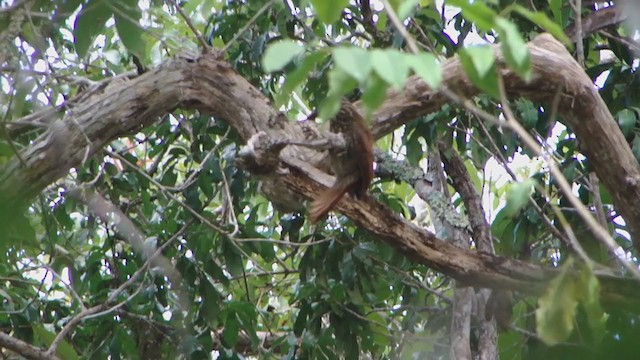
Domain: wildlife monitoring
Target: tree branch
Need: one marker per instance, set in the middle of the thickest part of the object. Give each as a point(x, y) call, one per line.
point(209, 84)
point(597, 20)
point(25, 349)
point(579, 105)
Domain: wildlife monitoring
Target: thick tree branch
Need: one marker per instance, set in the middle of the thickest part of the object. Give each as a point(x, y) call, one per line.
point(424, 247)
point(580, 107)
point(209, 84)
point(597, 20)
point(457, 172)
point(24, 349)
point(454, 166)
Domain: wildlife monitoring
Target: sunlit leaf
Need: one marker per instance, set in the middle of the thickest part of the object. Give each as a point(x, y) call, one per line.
point(555, 316)
point(297, 76)
point(279, 54)
point(375, 92)
point(479, 64)
point(329, 11)
point(426, 66)
point(557, 308)
point(514, 48)
point(518, 196)
point(556, 10)
point(354, 61)
point(407, 7)
point(476, 12)
point(391, 66)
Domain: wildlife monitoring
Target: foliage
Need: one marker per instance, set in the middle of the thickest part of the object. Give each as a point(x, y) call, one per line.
point(328, 291)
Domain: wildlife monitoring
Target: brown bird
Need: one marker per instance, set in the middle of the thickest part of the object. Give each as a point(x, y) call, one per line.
point(352, 165)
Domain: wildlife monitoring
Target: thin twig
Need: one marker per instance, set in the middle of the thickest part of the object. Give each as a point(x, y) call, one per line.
point(203, 43)
point(167, 193)
point(73, 293)
point(505, 165)
point(397, 23)
point(594, 184)
point(530, 142)
point(182, 204)
point(282, 242)
point(228, 199)
point(114, 295)
point(629, 42)
point(602, 234)
point(579, 43)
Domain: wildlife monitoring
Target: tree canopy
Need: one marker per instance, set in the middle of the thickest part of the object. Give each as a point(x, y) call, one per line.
point(157, 166)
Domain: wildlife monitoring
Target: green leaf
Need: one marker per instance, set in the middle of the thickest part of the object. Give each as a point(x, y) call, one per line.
point(391, 66)
point(15, 228)
point(510, 345)
point(329, 107)
point(426, 66)
point(64, 350)
point(340, 83)
point(279, 54)
point(231, 329)
point(518, 196)
point(89, 23)
point(348, 272)
point(406, 8)
point(211, 301)
point(375, 92)
point(590, 302)
point(556, 10)
point(503, 228)
point(514, 49)
point(233, 260)
point(301, 319)
point(478, 63)
point(245, 315)
point(557, 308)
point(300, 73)
point(378, 330)
point(127, 15)
point(329, 11)
point(528, 113)
point(555, 316)
point(477, 12)
point(354, 61)
point(543, 21)
point(626, 121)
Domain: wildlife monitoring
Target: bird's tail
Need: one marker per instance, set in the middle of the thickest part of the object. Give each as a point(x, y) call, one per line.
point(327, 200)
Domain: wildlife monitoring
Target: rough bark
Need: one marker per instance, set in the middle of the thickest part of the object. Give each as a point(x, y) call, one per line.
point(580, 107)
point(459, 330)
point(26, 350)
point(597, 20)
point(209, 84)
point(457, 172)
